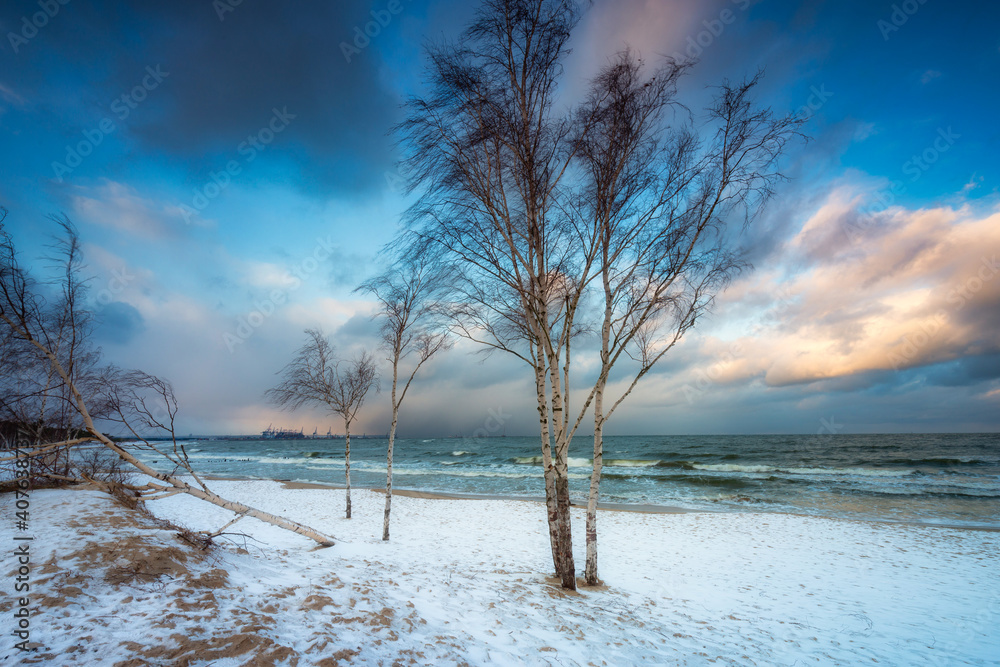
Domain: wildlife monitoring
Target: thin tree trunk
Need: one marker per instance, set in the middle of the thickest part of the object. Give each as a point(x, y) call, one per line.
point(236, 507)
point(388, 479)
point(208, 496)
point(347, 463)
point(590, 573)
point(557, 491)
point(568, 572)
point(548, 471)
point(388, 456)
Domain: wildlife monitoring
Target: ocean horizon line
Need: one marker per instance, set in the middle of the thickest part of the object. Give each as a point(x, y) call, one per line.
point(364, 436)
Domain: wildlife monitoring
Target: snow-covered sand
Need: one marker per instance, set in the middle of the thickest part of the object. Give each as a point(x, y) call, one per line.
point(464, 582)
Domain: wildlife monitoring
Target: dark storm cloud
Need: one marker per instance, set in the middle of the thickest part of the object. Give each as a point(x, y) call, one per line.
point(225, 78)
point(118, 323)
point(967, 371)
point(362, 328)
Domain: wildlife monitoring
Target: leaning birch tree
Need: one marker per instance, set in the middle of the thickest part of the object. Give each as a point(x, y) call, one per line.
point(49, 334)
point(657, 201)
point(404, 293)
point(317, 377)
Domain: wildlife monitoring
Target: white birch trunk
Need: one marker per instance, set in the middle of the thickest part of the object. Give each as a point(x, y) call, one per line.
point(175, 482)
point(548, 473)
point(561, 469)
point(347, 463)
point(208, 496)
point(388, 455)
point(590, 570)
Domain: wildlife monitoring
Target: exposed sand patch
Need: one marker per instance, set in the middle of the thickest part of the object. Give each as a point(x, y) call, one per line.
point(153, 599)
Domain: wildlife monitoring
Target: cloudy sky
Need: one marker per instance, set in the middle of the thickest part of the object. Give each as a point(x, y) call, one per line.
point(228, 158)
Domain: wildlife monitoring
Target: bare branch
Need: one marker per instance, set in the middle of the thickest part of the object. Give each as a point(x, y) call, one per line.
point(56, 390)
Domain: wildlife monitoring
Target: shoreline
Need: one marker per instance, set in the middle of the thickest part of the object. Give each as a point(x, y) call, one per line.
point(292, 485)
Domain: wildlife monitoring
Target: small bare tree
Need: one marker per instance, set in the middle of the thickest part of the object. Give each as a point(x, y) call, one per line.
point(316, 377)
point(33, 398)
point(49, 336)
point(404, 293)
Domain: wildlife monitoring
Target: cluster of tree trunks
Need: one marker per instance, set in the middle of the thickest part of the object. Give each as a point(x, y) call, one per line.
point(609, 218)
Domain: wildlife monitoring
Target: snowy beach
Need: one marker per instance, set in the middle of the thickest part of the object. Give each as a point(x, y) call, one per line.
point(506, 332)
point(465, 582)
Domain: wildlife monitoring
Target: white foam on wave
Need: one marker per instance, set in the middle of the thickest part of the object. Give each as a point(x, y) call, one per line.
point(572, 462)
point(218, 456)
point(486, 473)
point(726, 467)
point(289, 460)
point(631, 463)
point(854, 472)
point(413, 472)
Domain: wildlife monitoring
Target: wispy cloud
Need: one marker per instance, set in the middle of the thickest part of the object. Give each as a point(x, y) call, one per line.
point(973, 183)
point(10, 96)
point(120, 206)
point(929, 75)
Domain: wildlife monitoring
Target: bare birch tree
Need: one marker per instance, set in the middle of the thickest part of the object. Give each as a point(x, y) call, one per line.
point(545, 211)
point(317, 377)
point(51, 336)
point(657, 202)
point(490, 155)
point(404, 293)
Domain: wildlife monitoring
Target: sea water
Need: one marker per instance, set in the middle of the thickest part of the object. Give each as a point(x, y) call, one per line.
point(951, 479)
